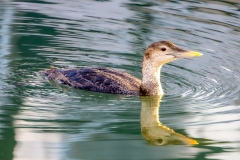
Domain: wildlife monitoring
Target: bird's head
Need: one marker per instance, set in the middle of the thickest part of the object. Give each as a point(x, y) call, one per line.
point(163, 52)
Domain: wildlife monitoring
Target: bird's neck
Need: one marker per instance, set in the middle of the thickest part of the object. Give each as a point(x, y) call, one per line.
point(151, 84)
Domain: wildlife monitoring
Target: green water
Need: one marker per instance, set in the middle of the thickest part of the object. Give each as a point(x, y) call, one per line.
point(43, 121)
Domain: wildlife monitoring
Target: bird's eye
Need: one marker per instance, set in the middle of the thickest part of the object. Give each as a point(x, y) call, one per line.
point(163, 49)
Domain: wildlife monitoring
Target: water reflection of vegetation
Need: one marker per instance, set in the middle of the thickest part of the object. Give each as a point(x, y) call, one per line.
point(153, 131)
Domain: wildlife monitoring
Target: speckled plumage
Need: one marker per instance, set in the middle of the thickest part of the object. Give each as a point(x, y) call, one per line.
point(96, 79)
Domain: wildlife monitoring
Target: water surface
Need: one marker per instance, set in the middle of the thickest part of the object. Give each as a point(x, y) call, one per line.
point(40, 120)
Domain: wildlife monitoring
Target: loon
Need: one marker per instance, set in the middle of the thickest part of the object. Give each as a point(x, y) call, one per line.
point(108, 80)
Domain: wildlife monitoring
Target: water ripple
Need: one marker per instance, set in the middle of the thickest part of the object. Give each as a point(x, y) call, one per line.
point(202, 94)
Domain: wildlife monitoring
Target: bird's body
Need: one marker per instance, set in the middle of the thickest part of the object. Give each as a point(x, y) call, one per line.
point(109, 80)
point(98, 79)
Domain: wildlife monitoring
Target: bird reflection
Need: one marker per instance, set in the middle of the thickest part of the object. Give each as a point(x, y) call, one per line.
point(153, 131)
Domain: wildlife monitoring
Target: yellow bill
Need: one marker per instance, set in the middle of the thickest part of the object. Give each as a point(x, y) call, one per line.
point(188, 54)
